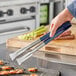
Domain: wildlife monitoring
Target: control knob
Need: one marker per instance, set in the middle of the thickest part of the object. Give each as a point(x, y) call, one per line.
point(23, 10)
point(32, 9)
point(1, 14)
point(10, 12)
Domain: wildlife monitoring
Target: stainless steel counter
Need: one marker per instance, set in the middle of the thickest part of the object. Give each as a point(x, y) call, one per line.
point(65, 64)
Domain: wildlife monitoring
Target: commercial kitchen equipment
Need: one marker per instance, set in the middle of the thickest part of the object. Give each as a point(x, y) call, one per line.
point(65, 64)
point(49, 9)
point(18, 17)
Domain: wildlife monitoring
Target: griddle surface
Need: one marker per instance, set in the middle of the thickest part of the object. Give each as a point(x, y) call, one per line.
point(32, 62)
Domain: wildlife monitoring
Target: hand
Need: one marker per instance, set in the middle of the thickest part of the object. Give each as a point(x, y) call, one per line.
point(64, 16)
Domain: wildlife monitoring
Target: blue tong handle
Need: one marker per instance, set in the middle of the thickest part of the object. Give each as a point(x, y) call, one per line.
point(59, 31)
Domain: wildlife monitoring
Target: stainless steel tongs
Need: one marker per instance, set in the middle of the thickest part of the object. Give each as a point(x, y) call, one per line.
point(42, 41)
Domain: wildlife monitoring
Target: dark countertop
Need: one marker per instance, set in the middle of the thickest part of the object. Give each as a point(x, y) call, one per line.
point(66, 69)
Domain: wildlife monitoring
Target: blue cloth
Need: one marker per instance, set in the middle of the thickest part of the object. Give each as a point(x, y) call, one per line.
point(72, 8)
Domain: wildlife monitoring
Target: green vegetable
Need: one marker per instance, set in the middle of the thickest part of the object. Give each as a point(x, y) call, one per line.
point(41, 27)
point(32, 35)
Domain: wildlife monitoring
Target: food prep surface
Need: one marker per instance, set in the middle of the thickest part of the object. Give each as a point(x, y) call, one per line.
point(64, 45)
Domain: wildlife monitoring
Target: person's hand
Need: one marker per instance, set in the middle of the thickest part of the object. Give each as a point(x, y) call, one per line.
point(64, 16)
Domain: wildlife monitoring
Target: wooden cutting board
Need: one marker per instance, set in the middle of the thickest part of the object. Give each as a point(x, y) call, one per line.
point(56, 46)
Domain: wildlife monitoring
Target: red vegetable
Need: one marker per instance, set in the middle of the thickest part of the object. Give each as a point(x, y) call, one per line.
point(33, 75)
point(4, 72)
point(12, 72)
point(19, 71)
point(1, 62)
point(32, 69)
point(7, 68)
point(25, 75)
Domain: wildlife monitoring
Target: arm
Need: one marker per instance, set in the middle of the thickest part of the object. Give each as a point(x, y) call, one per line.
point(72, 8)
point(66, 15)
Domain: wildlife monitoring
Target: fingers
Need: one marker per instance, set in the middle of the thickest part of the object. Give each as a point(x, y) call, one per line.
point(55, 23)
point(53, 29)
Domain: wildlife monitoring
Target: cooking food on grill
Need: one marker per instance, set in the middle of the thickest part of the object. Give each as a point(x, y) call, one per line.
point(32, 69)
point(16, 71)
point(4, 73)
point(19, 71)
point(7, 68)
point(12, 72)
point(26, 75)
point(1, 62)
point(34, 34)
point(33, 75)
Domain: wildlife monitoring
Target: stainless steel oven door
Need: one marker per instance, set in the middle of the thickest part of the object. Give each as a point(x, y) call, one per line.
point(9, 30)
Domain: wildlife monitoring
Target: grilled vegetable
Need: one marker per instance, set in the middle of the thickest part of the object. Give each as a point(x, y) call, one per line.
point(1, 62)
point(12, 72)
point(7, 68)
point(4, 73)
point(19, 71)
point(26, 75)
point(32, 69)
point(33, 75)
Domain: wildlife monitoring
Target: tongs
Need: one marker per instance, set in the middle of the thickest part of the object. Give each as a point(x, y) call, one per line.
point(42, 41)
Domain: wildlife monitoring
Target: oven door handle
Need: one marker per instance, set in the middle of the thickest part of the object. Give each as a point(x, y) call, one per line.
point(14, 30)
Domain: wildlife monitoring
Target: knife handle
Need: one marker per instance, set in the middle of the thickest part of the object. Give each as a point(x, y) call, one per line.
point(63, 27)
